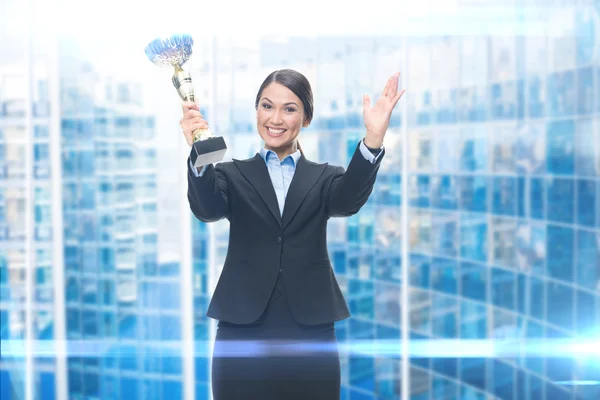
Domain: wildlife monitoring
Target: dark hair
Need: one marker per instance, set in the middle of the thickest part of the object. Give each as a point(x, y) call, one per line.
point(298, 84)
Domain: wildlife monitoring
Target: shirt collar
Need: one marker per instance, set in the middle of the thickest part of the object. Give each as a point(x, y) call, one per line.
point(265, 154)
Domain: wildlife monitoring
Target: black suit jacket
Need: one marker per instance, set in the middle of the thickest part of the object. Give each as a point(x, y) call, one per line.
point(262, 241)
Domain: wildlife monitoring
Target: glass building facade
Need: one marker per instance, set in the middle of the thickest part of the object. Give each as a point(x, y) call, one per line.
point(473, 272)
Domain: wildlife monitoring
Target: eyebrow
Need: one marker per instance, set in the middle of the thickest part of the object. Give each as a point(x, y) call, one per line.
point(291, 102)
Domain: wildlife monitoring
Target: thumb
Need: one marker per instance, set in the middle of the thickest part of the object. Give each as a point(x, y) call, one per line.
point(366, 102)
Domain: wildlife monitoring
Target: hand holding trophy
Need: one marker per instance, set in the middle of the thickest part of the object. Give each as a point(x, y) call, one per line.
point(173, 52)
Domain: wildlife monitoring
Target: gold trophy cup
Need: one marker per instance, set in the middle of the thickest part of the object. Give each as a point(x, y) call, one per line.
point(173, 52)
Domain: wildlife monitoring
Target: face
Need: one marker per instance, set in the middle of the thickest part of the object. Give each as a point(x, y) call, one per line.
point(279, 118)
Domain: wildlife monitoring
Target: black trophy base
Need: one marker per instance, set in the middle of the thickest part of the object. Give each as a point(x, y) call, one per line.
point(208, 151)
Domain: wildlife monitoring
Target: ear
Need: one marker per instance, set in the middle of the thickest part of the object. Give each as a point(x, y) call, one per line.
point(306, 123)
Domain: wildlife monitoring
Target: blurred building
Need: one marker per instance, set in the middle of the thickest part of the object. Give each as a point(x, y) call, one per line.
point(79, 257)
point(486, 214)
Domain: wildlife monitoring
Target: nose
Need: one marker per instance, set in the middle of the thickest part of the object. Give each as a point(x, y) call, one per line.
point(276, 118)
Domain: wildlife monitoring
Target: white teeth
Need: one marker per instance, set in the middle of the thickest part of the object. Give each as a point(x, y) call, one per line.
point(276, 131)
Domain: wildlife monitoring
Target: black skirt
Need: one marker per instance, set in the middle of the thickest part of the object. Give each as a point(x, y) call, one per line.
point(275, 357)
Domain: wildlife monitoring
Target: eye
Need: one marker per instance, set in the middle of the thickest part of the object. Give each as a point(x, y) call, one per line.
point(266, 106)
point(290, 109)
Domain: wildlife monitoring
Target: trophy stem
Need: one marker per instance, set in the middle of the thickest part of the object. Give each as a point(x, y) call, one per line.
point(182, 80)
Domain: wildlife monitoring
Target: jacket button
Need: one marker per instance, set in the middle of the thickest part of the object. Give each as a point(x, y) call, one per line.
point(278, 239)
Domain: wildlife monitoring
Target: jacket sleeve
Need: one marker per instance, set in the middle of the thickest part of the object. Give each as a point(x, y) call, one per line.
point(349, 190)
point(208, 194)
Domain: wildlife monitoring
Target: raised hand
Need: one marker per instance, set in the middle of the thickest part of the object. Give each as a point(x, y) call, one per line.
point(377, 118)
point(192, 120)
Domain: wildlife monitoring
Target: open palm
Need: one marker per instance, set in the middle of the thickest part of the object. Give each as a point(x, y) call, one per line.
point(377, 118)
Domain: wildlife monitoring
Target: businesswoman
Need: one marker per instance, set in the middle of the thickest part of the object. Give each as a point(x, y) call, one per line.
point(277, 297)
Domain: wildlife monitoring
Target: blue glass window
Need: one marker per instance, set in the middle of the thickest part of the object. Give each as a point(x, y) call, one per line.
point(473, 193)
point(90, 323)
point(537, 294)
point(127, 326)
point(46, 389)
point(585, 36)
point(40, 152)
point(473, 372)
point(73, 327)
point(561, 100)
point(585, 91)
point(587, 199)
point(473, 237)
point(170, 328)
point(443, 388)
point(444, 275)
point(473, 155)
point(473, 320)
point(419, 191)
point(473, 281)
point(537, 101)
point(445, 234)
point(106, 259)
point(88, 196)
point(129, 388)
point(597, 84)
point(588, 256)
point(75, 385)
point(559, 148)
point(444, 192)
point(586, 154)
point(503, 288)
point(108, 327)
point(505, 190)
point(171, 390)
point(521, 293)
point(503, 377)
point(560, 200)
point(469, 393)
point(537, 195)
point(151, 389)
point(419, 271)
point(170, 295)
point(560, 253)
point(171, 364)
point(479, 110)
point(361, 373)
point(444, 318)
point(587, 313)
point(86, 163)
point(90, 290)
point(68, 129)
point(559, 300)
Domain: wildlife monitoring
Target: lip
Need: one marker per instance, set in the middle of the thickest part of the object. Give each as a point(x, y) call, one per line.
point(268, 128)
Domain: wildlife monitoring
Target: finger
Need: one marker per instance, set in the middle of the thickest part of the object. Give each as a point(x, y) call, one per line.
point(197, 120)
point(394, 86)
point(194, 127)
point(387, 87)
point(366, 102)
point(191, 114)
point(397, 97)
point(189, 105)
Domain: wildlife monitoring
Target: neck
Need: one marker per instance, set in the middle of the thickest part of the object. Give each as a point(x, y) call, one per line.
point(284, 152)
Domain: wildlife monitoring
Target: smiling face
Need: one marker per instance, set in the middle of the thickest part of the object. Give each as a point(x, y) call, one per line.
point(279, 118)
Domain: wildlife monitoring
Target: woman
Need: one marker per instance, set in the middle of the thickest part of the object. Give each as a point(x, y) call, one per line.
point(277, 297)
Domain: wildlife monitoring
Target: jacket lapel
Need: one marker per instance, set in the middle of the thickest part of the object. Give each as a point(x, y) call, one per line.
point(306, 176)
point(256, 172)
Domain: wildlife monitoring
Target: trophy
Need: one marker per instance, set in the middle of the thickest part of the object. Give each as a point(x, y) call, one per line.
point(174, 51)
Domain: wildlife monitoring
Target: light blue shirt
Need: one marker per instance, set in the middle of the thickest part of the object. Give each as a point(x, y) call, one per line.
point(282, 171)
